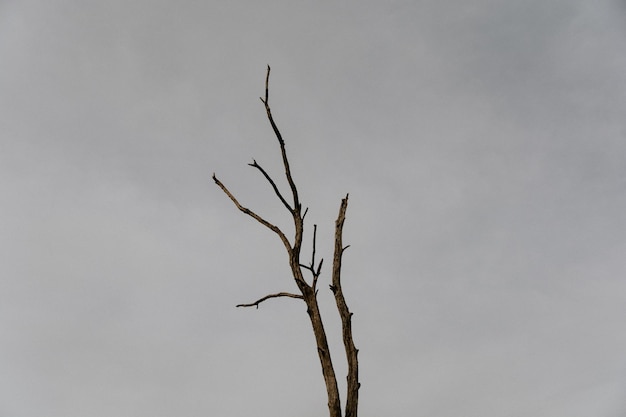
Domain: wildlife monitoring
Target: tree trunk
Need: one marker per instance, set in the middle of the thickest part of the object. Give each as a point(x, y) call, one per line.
point(328, 371)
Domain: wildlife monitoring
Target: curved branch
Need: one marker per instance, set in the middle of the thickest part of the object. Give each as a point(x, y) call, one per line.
point(267, 297)
point(255, 216)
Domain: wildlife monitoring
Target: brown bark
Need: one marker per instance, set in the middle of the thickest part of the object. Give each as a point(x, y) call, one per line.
point(323, 352)
point(352, 352)
point(308, 292)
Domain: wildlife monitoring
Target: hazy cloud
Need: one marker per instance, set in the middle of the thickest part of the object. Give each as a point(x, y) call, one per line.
point(482, 144)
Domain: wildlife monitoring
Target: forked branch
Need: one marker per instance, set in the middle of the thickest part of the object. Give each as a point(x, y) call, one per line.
point(315, 272)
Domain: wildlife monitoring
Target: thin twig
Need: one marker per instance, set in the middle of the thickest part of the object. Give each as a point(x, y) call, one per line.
point(316, 274)
point(314, 238)
point(280, 294)
point(273, 184)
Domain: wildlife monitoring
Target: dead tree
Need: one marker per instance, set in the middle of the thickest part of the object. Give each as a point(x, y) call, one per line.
point(308, 289)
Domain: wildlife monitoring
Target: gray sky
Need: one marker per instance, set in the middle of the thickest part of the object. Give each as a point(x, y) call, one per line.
point(483, 145)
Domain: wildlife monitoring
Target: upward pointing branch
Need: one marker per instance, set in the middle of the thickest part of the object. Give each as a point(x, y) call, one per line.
point(292, 185)
point(272, 183)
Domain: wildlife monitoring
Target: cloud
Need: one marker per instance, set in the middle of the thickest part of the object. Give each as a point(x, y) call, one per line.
point(482, 146)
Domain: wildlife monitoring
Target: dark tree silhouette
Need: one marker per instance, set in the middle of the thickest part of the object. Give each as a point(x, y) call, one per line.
point(308, 289)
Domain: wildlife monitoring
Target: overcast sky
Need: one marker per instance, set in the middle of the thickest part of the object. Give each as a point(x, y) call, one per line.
point(482, 142)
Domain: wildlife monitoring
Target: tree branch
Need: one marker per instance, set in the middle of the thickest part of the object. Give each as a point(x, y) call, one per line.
point(273, 184)
point(292, 185)
point(280, 294)
point(313, 251)
point(252, 214)
point(315, 272)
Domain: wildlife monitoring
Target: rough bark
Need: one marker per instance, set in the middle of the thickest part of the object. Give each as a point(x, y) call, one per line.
point(308, 291)
point(352, 352)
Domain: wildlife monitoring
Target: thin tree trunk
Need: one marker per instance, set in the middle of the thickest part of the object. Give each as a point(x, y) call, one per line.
point(328, 371)
point(352, 352)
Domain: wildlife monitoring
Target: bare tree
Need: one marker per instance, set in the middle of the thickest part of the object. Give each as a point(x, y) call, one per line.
point(308, 289)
